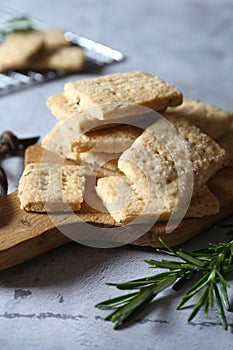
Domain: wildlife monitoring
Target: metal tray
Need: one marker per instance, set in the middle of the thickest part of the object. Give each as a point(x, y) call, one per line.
point(97, 56)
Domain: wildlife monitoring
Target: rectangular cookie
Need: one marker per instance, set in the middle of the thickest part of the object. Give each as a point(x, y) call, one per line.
point(131, 87)
point(101, 116)
point(212, 120)
point(68, 58)
point(99, 163)
point(54, 38)
point(111, 140)
point(98, 159)
point(155, 149)
point(61, 107)
point(206, 155)
point(19, 48)
point(125, 204)
point(96, 165)
point(51, 187)
point(64, 140)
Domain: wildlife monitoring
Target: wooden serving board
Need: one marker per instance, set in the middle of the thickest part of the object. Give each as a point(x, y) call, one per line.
point(24, 236)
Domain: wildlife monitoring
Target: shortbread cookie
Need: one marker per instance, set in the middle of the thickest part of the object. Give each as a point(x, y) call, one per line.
point(204, 203)
point(150, 160)
point(206, 155)
point(132, 87)
point(96, 165)
point(54, 38)
point(36, 153)
point(226, 142)
point(19, 48)
point(63, 58)
point(51, 187)
point(99, 158)
point(111, 140)
point(102, 117)
point(121, 200)
point(125, 204)
point(211, 120)
point(99, 163)
point(61, 107)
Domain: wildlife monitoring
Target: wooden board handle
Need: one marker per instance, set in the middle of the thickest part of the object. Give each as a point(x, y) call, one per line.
point(24, 235)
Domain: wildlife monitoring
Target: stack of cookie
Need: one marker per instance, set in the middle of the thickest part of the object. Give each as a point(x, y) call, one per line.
point(40, 51)
point(107, 123)
point(107, 126)
point(151, 178)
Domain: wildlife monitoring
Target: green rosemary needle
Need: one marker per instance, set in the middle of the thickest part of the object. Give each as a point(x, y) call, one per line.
point(208, 270)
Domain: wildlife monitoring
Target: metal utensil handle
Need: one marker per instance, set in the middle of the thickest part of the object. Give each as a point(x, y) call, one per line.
point(3, 183)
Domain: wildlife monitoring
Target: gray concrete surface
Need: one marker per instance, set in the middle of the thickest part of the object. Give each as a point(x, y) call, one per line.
point(48, 303)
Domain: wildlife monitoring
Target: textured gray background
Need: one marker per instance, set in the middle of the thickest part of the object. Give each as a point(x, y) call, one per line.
point(48, 303)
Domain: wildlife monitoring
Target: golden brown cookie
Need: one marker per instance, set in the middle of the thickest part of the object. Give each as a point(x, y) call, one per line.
point(125, 203)
point(63, 58)
point(111, 140)
point(54, 38)
point(19, 48)
point(132, 87)
point(210, 119)
point(51, 187)
point(151, 156)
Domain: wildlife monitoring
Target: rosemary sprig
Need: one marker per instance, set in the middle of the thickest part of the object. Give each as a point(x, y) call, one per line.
point(20, 24)
point(207, 269)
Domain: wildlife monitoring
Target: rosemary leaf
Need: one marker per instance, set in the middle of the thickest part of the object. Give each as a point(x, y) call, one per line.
point(201, 301)
point(115, 301)
point(220, 308)
point(206, 269)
